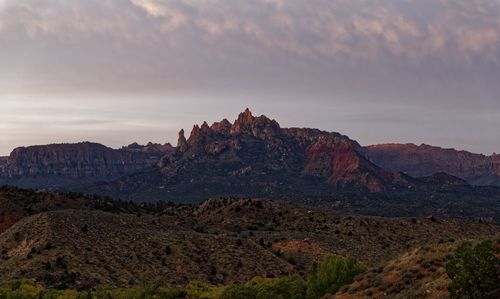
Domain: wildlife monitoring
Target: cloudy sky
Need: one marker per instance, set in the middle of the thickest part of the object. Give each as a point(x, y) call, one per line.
point(118, 71)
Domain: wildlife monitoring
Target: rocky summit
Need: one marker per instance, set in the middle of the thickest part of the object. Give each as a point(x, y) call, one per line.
point(255, 157)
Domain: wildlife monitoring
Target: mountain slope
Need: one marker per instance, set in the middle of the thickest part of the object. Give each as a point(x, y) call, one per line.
point(419, 273)
point(425, 160)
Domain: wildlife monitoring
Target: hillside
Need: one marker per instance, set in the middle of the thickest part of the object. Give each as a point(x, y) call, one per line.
point(16, 204)
point(218, 241)
point(419, 273)
point(425, 160)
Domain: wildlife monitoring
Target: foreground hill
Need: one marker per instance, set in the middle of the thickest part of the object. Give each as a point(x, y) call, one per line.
point(425, 160)
point(418, 273)
point(57, 165)
point(16, 204)
point(218, 241)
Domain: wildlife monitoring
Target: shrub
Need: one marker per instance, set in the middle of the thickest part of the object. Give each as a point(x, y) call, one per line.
point(330, 275)
point(239, 291)
point(25, 289)
point(474, 271)
point(201, 290)
point(292, 287)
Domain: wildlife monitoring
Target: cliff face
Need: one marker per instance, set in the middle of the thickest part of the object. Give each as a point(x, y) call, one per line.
point(63, 164)
point(425, 160)
point(3, 163)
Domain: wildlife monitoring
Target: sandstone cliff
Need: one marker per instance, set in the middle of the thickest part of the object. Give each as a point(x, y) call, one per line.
point(425, 160)
point(65, 164)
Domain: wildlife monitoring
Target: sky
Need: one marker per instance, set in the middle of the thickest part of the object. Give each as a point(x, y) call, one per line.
point(121, 71)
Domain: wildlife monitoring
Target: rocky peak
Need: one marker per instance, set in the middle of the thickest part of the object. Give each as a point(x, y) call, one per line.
point(261, 127)
point(223, 127)
point(243, 123)
point(264, 127)
point(195, 134)
point(182, 143)
point(205, 129)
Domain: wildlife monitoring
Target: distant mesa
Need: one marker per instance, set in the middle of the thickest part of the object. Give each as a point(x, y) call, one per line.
point(58, 165)
point(425, 160)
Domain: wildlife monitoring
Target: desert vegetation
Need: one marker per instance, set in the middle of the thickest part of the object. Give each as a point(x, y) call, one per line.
point(475, 271)
point(325, 277)
point(468, 270)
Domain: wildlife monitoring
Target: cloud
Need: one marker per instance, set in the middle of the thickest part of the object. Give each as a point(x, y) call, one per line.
point(160, 9)
point(239, 45)
point(356, 29)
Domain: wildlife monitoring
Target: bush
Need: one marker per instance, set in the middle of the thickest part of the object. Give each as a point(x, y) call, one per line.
point(201, 290)
point(292, 287)
point(330, 275)
point(474, 271)
point(21, 289)
point(239, 291)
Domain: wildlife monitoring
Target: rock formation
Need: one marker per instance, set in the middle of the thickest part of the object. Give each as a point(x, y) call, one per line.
point(425, 160)
point(66, 164)
point(254, 156)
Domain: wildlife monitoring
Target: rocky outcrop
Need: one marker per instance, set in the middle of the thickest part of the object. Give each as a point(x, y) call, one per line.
point(254, 156)
point(425, 160)
point(150, 148)
point(66, 164)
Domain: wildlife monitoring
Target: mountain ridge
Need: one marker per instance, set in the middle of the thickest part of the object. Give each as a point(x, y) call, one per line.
point(424, 160)
point(255, 154)
point(56, 165)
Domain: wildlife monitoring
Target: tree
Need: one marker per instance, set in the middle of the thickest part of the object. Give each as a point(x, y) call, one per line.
point(330, 275)
point(474, 271)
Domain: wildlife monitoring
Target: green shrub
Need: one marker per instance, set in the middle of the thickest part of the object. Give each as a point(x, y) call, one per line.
point(292, 287)
point(474, 271)
point(330, 275)
point(239, 291)
point(21, 289)
point(201, 290)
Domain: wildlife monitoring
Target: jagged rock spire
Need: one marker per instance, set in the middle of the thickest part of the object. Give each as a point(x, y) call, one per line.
point(243, 123)
point(222, 127)
point(261, 126)
point(205, 128)
point(182, 142)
